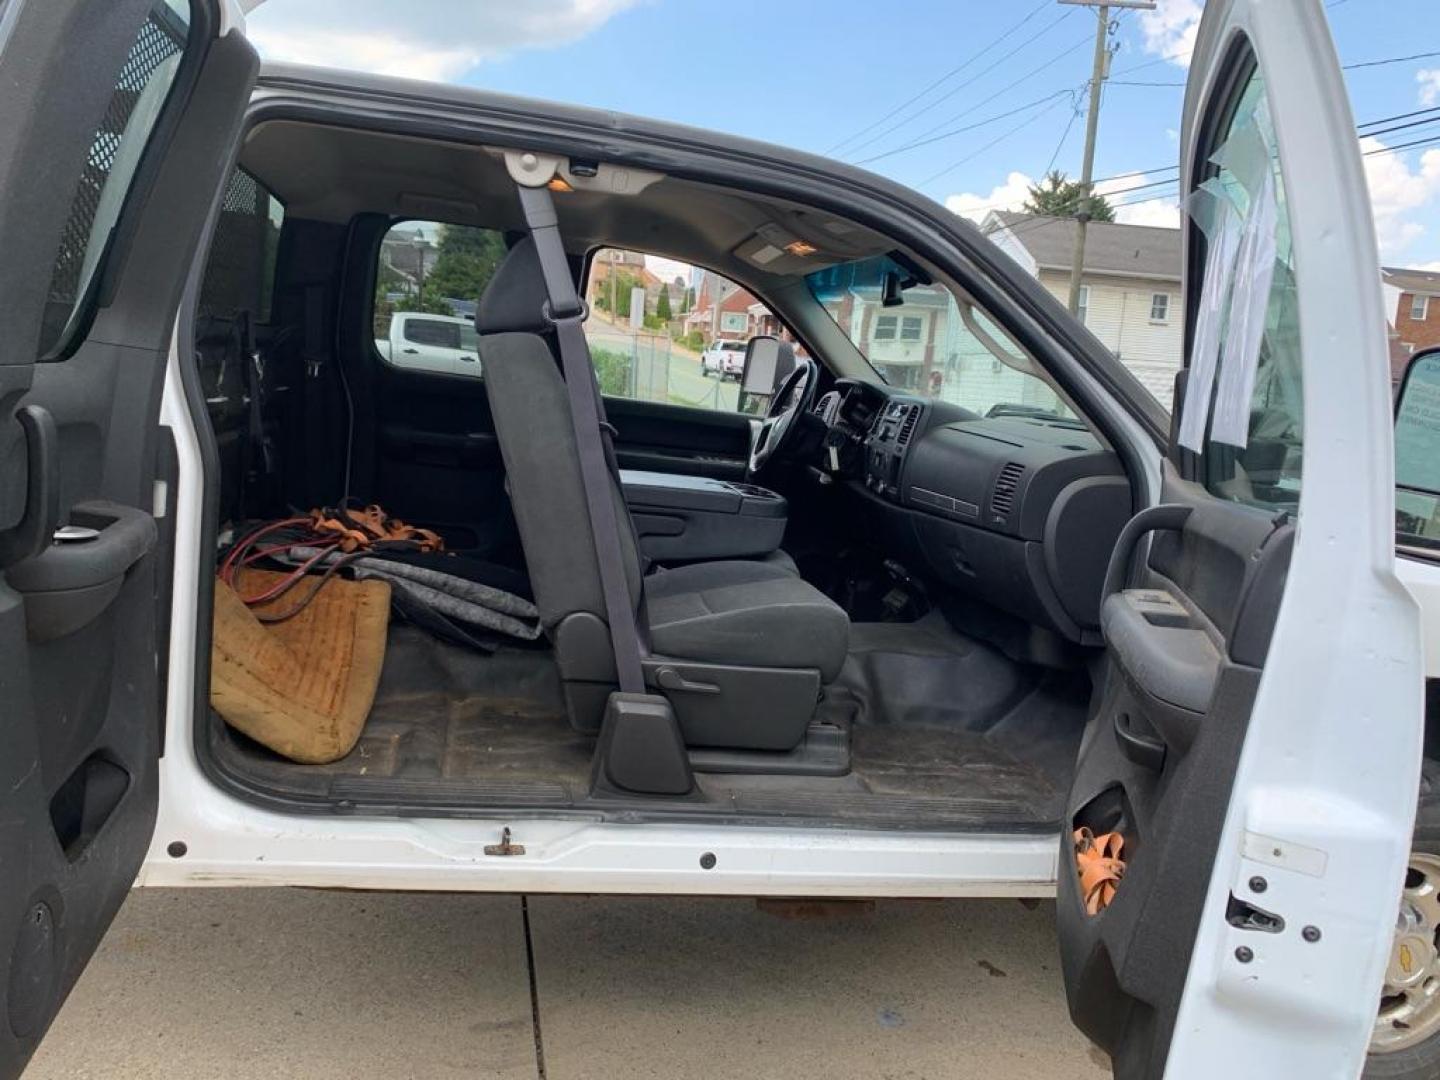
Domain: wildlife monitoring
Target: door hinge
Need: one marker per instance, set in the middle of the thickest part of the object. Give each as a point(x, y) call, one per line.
point(505, 847)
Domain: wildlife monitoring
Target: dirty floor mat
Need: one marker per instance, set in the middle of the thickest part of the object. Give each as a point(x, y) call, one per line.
point(446, 714)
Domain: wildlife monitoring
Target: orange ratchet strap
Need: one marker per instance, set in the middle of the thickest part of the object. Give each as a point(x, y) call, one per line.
point(1101, 869)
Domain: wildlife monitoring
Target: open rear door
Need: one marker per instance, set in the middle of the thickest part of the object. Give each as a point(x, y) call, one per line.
point(118, 119)
point(1255, 737)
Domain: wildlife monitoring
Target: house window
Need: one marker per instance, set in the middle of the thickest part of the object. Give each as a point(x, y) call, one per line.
point(885, 328)
point(910, 328)
point(1082, 307)
point(1160, 307)
point(1419, 305)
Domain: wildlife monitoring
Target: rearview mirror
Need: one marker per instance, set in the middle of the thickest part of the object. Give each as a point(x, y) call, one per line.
point(1417, 451)
point(768, 362)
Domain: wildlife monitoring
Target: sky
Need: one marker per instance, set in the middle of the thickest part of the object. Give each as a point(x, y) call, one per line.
point(991, 91)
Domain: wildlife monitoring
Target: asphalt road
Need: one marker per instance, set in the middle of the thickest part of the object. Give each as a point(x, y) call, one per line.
point(251, 983)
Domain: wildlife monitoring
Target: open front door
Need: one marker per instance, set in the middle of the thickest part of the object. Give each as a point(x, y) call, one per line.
point(117, 121)
point(1255, 737)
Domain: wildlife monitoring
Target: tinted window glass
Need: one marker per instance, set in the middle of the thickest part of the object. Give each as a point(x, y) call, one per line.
point(140, 93)
point(432, 332)
point(935, 342)
point(240, 273)
point(435, 269)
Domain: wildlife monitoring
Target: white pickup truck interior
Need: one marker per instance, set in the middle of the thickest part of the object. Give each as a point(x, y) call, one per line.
point(892, 622)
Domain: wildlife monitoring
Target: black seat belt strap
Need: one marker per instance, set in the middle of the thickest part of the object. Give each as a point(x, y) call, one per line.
point(566, 313)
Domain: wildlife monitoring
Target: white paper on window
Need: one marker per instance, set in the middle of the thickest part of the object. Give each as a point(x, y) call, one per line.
point(1222, 228)
point(1254, 272)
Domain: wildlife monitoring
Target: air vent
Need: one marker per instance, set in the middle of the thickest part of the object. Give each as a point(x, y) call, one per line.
point(908, 427)
point(1002, 499)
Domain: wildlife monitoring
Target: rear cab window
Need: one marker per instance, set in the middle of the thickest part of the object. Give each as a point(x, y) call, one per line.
point(428, 279)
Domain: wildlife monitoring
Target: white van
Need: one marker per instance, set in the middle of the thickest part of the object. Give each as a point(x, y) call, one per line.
point(879, 642)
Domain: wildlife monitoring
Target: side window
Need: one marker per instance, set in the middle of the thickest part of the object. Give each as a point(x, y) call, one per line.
point(435, 269)
point(1418, 307)
point(135, 105)
point(432, 332)
point(1160, 307)
point(1243, 409)
point(240, 272)
point(666, 331)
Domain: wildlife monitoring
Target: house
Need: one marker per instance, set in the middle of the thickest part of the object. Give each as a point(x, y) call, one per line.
point(1130, 285)
point(409, 253)
point(723, 310)
point(1412, 307)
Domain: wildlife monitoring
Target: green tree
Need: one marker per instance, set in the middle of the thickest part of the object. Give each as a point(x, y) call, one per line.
point(466, 260)
point(1055, 196)
point(662, 304)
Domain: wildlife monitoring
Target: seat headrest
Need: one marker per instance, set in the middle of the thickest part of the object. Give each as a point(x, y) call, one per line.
point(514, 301)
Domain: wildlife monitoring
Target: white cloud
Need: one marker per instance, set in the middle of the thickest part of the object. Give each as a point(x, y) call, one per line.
point(429, 39)
point(1162, 212)
point(1429, 80)
point(1169, 30)
point(1010, 195)
point(1396, 192)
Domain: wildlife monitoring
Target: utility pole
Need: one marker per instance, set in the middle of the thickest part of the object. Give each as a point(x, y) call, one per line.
point(1098, 73)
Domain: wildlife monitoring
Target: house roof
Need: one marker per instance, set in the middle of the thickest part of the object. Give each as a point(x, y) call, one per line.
point(1110, 248)
point(1414, 281)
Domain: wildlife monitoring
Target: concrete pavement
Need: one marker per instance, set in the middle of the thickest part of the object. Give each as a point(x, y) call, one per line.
point(250, 983)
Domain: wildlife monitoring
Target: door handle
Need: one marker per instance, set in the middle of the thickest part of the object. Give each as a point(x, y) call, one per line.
point(1168, 517)
point(1146, 750)
point(411, 352)
point(31, 535)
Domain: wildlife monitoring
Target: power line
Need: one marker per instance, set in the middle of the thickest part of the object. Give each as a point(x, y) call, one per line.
point(961, 86)
point(976, 153)
point(943, 78)
point(1389, 60)
point(1074, 114)
point(1121, 82)
point(1044, 66)
point(968, 127)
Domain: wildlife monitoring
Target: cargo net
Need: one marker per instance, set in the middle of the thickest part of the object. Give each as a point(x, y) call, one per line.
point(235, 271)
point(161, 36)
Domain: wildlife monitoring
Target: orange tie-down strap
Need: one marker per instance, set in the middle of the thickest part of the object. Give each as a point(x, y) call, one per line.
point(1101, 869)
point(360, 529)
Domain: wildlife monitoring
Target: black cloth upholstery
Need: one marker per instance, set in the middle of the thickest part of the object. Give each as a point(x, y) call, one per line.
point(514, 301)
point(752, 613)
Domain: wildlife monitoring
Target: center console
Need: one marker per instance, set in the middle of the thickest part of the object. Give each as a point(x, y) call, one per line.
point(685, 518)
point(885, 446)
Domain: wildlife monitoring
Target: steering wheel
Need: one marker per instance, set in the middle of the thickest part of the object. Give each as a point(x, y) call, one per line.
point(794, 398)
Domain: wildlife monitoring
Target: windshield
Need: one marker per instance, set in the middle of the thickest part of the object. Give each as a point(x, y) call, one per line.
point(930, 341)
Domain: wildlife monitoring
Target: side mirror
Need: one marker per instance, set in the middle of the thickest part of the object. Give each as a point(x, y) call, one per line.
point(768, 363)
point(1417, 451)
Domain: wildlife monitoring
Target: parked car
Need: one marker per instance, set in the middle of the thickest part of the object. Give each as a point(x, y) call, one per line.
point(1147, 665)
point(724, 358)
point(446, 344)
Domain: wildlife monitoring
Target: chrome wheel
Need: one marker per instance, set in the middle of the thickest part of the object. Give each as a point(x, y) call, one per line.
point(1410, 1001)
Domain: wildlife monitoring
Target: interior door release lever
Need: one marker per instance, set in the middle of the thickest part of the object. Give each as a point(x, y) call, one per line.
point(1146, 750)
point(33, 532)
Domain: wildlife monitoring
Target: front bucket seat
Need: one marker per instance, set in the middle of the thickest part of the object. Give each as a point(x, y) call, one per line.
point(741, 649)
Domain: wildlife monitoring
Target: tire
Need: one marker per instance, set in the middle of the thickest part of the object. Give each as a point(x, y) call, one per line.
point(1421, 1061)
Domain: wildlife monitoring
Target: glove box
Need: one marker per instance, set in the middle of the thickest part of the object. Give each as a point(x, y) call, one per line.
point(685, 518)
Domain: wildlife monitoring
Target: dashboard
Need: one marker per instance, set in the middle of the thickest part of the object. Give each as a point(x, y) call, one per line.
point(1019, 508)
